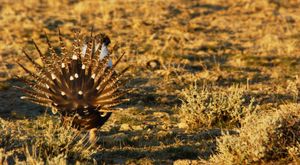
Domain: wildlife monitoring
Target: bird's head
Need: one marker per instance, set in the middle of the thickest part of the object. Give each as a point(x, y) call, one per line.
point(102, 39)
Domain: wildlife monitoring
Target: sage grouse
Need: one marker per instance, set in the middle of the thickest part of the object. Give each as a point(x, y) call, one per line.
point(82, 85)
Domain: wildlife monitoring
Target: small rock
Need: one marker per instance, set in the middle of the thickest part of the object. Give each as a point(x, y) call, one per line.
point(153, 64)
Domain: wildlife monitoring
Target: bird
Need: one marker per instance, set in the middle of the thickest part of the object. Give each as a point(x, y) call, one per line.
point(82, 86)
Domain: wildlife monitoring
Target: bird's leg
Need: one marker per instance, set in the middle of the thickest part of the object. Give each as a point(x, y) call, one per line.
point(93, 135)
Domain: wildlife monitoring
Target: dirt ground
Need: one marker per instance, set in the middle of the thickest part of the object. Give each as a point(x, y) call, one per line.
point(220, 42)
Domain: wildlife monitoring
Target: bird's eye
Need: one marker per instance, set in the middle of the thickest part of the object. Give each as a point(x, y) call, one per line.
point(106, 40)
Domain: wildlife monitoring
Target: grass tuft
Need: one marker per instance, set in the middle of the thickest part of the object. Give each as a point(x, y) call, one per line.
point(209, 107)
point(270, 136)
point(51, 142)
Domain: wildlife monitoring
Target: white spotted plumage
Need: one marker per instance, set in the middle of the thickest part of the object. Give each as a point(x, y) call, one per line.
point(83, 82)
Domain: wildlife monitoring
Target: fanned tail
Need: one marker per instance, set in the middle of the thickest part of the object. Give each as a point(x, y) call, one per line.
point(81, 84)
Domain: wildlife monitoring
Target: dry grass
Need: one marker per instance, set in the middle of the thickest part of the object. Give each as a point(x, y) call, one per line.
point(47, 140)
point(254, 44)
point(262, 138)
point(205, 107)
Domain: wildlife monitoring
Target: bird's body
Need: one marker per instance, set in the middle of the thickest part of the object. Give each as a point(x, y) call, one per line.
point(82, 86)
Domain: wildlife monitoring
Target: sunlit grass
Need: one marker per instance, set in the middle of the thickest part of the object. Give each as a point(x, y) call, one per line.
point(248, 51)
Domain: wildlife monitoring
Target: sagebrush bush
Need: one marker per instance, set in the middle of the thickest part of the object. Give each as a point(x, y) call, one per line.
point(264, 136)
point(207, 107)
point(48, 141)
point(56, 141)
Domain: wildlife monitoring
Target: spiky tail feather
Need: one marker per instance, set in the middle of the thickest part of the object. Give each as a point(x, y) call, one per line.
point(77, 85)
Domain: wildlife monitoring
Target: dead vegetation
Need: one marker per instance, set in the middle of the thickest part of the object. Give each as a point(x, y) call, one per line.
point(247, 51)
point(47, 140)
point(270, 136)
point(205, 107)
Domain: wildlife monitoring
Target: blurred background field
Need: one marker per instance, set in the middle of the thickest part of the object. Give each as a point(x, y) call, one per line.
point(216, 81)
